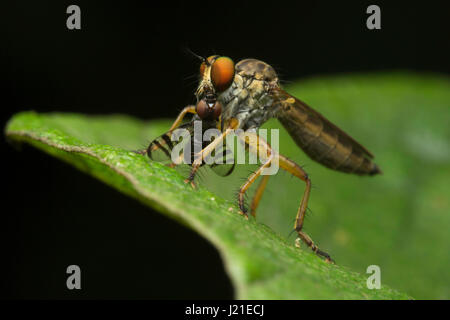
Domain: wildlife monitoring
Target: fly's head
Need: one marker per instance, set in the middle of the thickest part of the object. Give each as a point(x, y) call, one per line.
point(216, 76)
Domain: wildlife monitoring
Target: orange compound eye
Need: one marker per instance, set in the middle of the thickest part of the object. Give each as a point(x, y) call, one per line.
point(222, 73)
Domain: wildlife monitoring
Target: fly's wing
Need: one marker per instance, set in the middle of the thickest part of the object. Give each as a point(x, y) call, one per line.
point(180, 146)
point(224, 161)
point(321, 140)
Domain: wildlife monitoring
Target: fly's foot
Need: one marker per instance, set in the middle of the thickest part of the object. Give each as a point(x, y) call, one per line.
point(308, 241)
point(242, 208)
point(141, 152)
point(191, 182)
point(244, 214)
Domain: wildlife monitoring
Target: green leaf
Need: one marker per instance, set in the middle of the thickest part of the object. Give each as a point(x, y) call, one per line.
point(398, 221)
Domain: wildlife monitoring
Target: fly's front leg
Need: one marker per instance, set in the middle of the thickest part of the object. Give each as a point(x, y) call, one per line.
point(293, 168)
point(179, 119)
point(176, 123)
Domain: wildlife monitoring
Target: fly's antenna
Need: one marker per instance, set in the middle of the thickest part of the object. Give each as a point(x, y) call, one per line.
point(202, 59)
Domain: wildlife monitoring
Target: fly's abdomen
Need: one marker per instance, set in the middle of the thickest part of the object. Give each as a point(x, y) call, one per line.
point(324, 142)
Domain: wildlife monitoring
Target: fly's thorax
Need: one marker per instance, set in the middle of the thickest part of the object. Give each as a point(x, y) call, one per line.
point(248, 99)
point(256, 69)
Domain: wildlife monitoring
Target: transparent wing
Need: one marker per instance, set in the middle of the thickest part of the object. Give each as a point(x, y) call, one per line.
point(224, 164)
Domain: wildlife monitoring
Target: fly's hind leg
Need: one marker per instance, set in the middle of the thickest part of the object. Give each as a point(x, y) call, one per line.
point(263, 149)
point(293, 168)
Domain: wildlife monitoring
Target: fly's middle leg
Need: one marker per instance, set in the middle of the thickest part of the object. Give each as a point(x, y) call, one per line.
point(263, 149)
point(248, 183)
point(257, 145)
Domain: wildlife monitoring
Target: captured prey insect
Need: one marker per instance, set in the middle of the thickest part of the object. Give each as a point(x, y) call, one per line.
point(244, 96)
point(174, 149)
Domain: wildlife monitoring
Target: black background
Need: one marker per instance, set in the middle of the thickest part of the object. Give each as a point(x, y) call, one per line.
point(129, 57)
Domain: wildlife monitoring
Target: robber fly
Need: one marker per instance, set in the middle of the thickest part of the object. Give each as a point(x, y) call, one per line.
point(244, 96)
